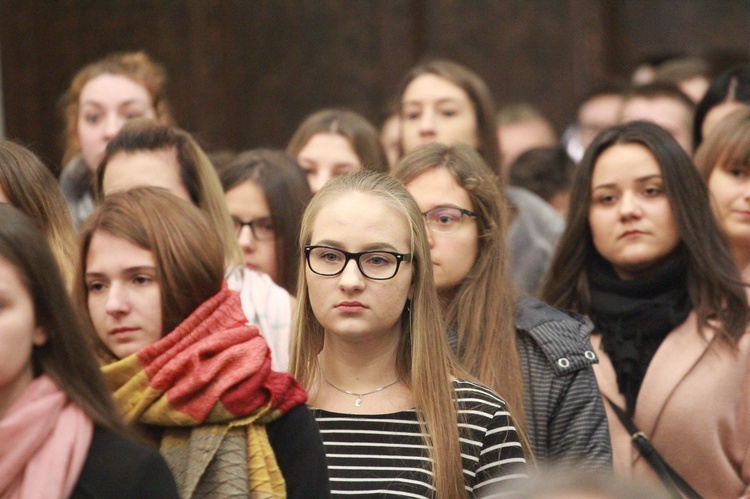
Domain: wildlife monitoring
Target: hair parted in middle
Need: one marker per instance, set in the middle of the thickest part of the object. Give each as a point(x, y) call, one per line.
point(479, 96)
point(196, 172)
point(361, 134)
point(424, 360)
point(714, 283)
point(482, 308)
point(187, 251)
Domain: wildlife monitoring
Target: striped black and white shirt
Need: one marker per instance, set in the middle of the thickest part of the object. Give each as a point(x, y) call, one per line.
point(384, 455)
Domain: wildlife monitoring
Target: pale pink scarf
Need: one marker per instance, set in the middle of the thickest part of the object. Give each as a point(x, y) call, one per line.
point(44, 441)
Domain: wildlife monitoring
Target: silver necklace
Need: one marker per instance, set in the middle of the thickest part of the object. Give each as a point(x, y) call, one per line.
point(358, 400)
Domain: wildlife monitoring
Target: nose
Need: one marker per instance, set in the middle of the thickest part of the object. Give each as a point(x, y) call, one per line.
point(629, 206)
point(427, 123)
point(351, 278)
point(318, 180)
point(112, 125)
point(430, 235)
point(246, 239)
point(117, 303)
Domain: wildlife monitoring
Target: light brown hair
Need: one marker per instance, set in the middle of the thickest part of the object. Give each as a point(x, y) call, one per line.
point(31, 187)
point(187, 251)
point(360, 133)
point(479, 96)
point(482, 306)
point(423, 359)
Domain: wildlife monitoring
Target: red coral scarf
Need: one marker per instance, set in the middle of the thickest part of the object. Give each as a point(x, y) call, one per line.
point(213, 370)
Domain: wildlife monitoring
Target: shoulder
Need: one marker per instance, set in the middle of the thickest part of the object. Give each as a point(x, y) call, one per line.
point(534, 212)
point(564, 339)
point(120, 467)
point(474, 396)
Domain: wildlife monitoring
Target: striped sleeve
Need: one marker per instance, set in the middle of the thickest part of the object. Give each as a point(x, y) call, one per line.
point(494, 462)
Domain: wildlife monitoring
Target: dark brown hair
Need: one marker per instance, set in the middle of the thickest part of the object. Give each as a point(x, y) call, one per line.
point(714, 284)
point(287, 194)
point(196, 172)
point(66, 356)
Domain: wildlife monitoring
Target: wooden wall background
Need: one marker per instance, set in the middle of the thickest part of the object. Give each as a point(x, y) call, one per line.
point(244, 73)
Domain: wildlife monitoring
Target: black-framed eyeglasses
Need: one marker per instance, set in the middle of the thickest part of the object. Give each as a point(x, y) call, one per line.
point(446, 219)
point(378, 265)
point(261, 228)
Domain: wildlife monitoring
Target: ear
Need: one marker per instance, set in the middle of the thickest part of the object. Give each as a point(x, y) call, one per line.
point(38, 337)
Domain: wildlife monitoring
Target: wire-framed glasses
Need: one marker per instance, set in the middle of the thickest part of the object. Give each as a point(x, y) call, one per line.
point(378, 265)
point(446, 218)
point(261, 228)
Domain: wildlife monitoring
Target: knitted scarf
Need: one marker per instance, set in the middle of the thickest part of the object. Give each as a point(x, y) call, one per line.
point(44, 442)
point(202, 383)
point(635, 316)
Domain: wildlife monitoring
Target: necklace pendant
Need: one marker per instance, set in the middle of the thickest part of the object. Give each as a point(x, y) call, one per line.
point(358, 402)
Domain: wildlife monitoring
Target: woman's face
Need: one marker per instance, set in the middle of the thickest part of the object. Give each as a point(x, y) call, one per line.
point(19, 333)
point(730, 189)
point(106, 102)
point(453, 254)
point(127, 170)
point(124, 295)
point(435, 110)
point(350, 305)
point(327, 155)
point(630, 216)
point(247, 203)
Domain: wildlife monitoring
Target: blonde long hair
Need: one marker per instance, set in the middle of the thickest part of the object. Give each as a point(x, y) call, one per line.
point(423, 357)
point(482, 307)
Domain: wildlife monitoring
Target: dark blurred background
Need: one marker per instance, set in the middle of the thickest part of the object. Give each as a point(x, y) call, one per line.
point(245, 73)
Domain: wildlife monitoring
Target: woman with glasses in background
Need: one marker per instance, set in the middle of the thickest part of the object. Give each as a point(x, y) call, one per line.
point(537, 357)
point(397, 415)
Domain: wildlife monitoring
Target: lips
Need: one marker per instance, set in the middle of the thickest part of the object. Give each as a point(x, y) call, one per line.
point(351, 307)
point(121, 331)
point(631, 233)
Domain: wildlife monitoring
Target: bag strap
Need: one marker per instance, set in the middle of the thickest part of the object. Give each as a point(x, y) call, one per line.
point(675, 484)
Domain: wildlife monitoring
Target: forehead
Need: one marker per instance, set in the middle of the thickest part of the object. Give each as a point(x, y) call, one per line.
point(329, 146)
point(438, 187)
point(623, 164)
point(112, 89)
point(603, 107)
point(429, 87)
point(107, 250)
point(143, 169)
point(358, 219)
point(661, 109)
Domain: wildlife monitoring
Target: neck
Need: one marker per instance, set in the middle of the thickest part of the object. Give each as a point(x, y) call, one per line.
point(741, 256)
point(358, 367)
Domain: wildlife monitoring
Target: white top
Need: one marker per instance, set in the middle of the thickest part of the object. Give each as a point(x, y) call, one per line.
point(268, 306)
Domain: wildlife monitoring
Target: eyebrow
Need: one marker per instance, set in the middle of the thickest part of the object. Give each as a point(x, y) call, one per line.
point(367, 247)
point(447, 205)
point(129, 270)
point(640, 180)
point(124, 103)
point(443, 100)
